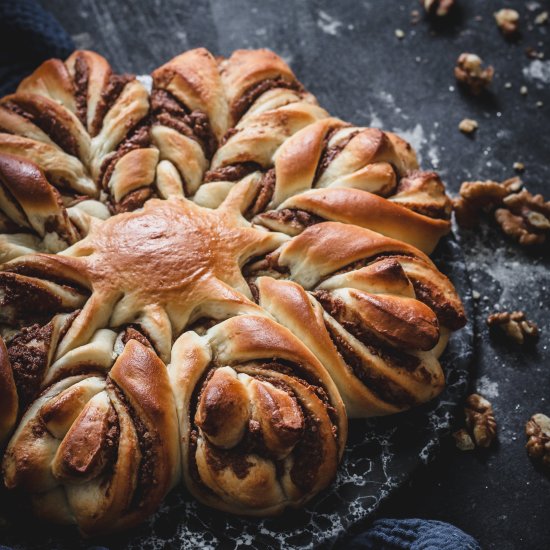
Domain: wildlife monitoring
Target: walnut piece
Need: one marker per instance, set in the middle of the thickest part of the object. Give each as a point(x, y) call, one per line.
point(480, 420)
point(478, 196)
point(469, 73)
point(515, 325)
point(507, 21)
point(439, 8)
point(541, 18)
point(467, 125)
point(463, 440)
point(537, 430)
point(525, 217)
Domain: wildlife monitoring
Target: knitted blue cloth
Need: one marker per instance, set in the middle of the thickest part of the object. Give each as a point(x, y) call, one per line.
point(413, 534)
point(28, 35)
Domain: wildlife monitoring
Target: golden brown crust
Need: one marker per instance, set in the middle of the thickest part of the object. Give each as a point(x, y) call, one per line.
point(156, 213)
point(101, 453)
point(262, 424)
point(364, 209)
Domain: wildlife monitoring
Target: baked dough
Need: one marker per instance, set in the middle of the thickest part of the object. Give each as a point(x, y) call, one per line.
point(200, 282)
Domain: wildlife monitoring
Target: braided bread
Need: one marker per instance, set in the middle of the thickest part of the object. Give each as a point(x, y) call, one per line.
point(203, 274)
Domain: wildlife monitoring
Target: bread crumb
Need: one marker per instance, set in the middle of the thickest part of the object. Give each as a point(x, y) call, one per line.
point(399, 33)
point(523, 90)
point(468, 126)
point(541, 18)
point(519, 166)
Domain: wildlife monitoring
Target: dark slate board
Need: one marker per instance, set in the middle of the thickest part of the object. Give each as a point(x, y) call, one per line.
point(380, 455)
point(346, 52)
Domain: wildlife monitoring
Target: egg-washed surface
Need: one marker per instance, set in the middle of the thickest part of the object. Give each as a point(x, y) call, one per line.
point(223, 225)
point(380, 454)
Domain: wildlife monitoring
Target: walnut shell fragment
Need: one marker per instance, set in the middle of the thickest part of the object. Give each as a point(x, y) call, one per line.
point(514, 325)
point(470, 73)
point(537, 430)
point(480, 420)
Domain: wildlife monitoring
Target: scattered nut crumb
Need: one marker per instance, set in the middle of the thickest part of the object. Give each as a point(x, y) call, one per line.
point(463, 440)
point(541, 18)
point(514, 325)
point(539, 104)
point(469, 73)
point(507, 21)
point(399, 33)
point(439, 8)
point(525, 217)
point(479, 196)
point(523, 90)
point(519, 166)
point(531, 53)
point(467, 125)
point(537, 430)
point(508, 85)
point(476, 295)
point(415, 17)
point(480, 420)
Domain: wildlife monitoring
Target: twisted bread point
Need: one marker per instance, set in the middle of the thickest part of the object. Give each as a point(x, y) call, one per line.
point(262, 424)
point(372, 314)
point(206, 123)
point(99, 452)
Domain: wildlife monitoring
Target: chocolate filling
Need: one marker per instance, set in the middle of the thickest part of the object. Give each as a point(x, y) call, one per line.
point(231, 172)
point(148, 444)
point(29, 300)
point(28, 355)
point(307, 452)
point(81, 77)
point(48, 122)
point(136, 332)
point(138, 137)
point(337, 309)
point(447, 315)
point(298, 219)
point(241, 105)
point(133, 200)
point(330, 153)
point(381, 386)
point(169, 111)
point(308, 455)
point(108, 98)
point(264, 195)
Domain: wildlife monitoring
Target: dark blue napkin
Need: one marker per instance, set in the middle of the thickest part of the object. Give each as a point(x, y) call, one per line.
point(28, 35)
point(413, 534)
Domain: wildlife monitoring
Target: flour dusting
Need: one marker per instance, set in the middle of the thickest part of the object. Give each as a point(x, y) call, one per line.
point(487, 388)
point(328, 24)
point(538, 70)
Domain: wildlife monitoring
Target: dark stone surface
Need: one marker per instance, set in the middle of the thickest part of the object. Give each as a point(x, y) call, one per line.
point(346, 52)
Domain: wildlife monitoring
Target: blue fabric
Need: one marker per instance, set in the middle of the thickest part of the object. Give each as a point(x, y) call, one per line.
point(413, 534)
point(28, 36)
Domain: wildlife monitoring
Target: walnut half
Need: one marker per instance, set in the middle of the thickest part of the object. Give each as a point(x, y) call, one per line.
point(515, 325)
point(470, 73)
point(480, 420)
point(525, 217)
point(507, 21)
point(537, 430)
point(478, 196)
point(439, 8)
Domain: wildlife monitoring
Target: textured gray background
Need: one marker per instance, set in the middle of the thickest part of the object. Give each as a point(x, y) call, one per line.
point(347, 54)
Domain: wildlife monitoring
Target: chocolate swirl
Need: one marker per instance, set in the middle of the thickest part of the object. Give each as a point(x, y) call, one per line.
point(100, 452)
point(262, 424)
